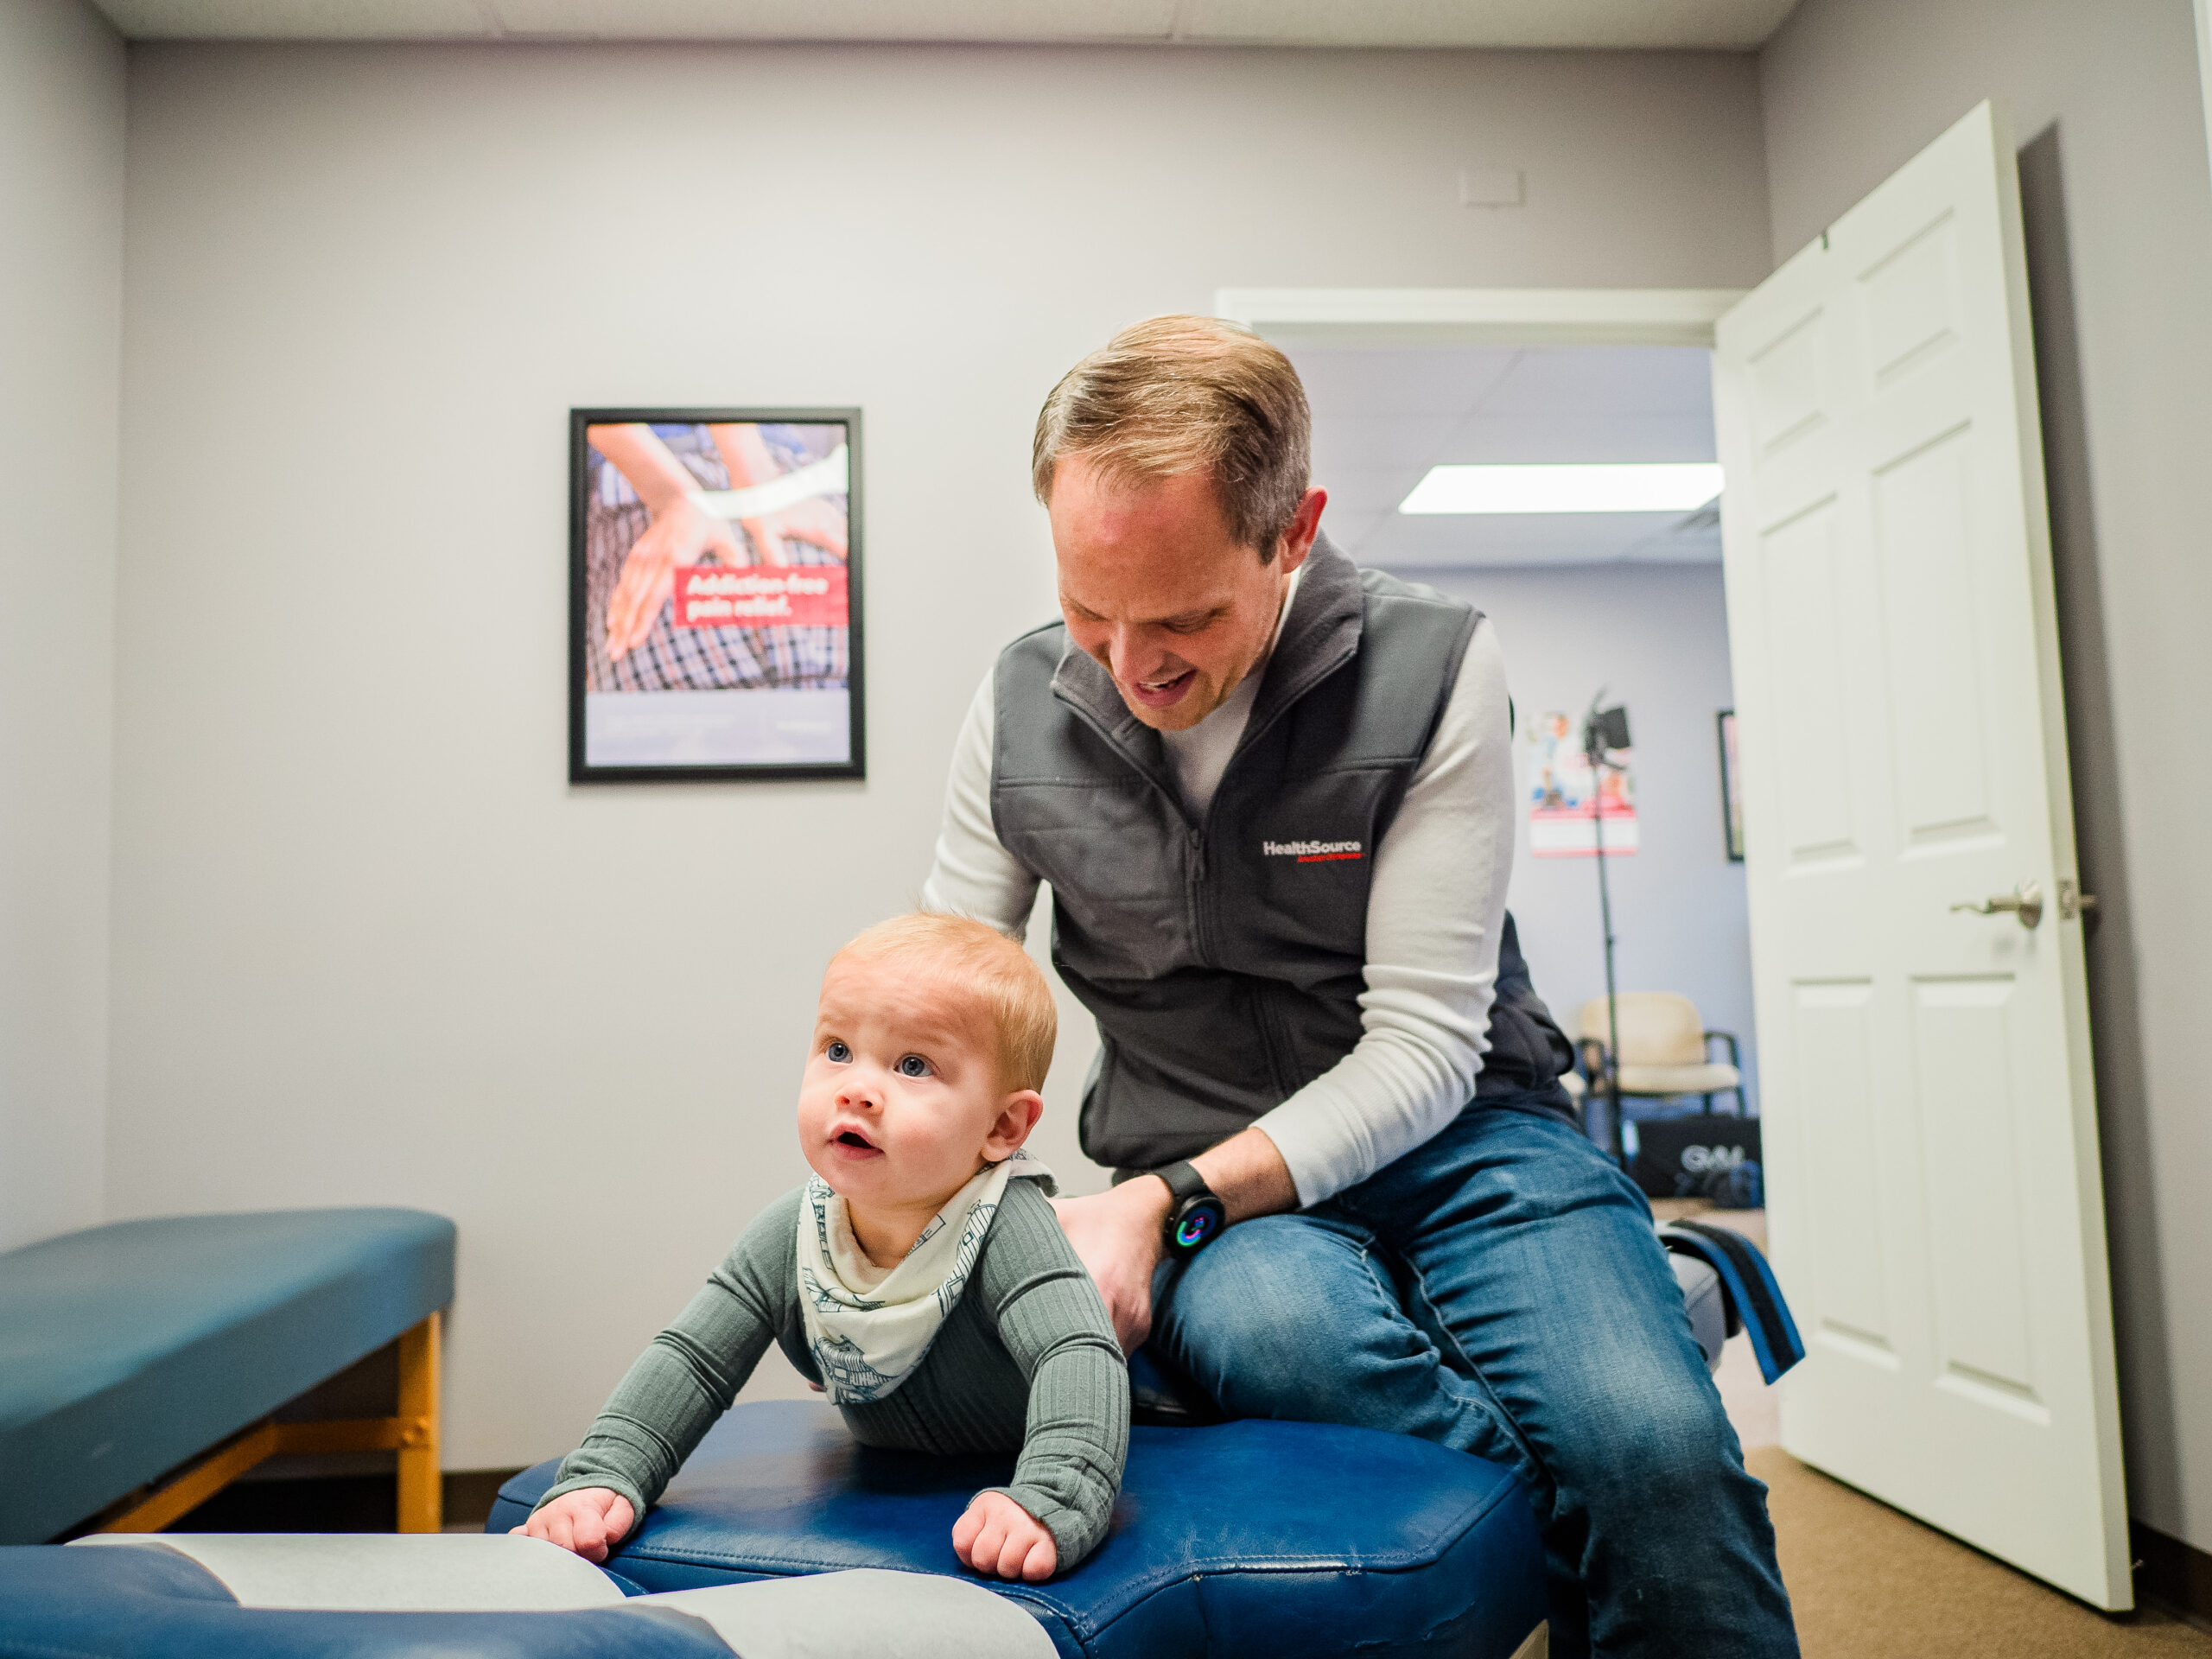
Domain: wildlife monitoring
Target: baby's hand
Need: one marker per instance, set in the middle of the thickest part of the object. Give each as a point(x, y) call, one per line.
point(998, 1537)
point(589, 1520)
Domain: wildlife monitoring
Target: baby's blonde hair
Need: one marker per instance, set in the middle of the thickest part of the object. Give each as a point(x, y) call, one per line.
point(992, 968)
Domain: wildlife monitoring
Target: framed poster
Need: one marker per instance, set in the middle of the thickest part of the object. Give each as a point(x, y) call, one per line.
point(1732, 788)
point(1566, 802)
point(713, 593)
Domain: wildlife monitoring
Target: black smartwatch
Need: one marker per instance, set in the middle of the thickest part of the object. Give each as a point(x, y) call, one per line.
point(1194, 1214)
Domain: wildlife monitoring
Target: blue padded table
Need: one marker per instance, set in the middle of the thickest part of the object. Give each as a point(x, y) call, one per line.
point(127, 1350)
point(1250, 1537)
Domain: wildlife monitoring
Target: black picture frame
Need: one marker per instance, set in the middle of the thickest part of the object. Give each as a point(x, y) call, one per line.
point(1732, 787)
point(584, 768)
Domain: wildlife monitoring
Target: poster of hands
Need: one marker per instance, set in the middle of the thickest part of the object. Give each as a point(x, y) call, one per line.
point(713, 593)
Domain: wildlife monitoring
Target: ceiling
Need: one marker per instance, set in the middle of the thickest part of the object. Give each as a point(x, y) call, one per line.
point(1727, 25)
point(1382, 417)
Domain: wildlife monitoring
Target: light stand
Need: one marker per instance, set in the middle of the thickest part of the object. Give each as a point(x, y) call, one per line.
point(1602, 731)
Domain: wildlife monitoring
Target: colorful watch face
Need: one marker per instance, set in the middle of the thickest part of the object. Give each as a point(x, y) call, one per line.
point(1199, 1222)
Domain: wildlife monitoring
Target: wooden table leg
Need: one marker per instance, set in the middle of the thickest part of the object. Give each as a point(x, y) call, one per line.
point(186, 1492)
point(422, 1506)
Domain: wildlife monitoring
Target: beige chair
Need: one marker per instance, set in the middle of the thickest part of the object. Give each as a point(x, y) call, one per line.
point(1666, 1051)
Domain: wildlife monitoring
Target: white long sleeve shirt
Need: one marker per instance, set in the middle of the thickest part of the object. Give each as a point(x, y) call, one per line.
point(1436, 903)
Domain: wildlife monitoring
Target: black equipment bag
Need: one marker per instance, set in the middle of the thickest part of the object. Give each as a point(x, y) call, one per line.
point(1704, 1156)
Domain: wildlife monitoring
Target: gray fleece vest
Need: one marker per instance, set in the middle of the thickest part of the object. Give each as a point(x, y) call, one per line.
point(1224, 958)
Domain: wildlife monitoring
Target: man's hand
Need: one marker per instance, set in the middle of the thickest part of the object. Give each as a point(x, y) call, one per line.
point(589, 1520)
point(1117, 1235)
point(997, 1536)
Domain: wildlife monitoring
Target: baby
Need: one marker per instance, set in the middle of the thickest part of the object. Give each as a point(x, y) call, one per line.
point(920, 1278)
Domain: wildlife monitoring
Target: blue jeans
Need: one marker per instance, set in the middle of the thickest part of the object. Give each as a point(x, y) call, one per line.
point(1500, 1291)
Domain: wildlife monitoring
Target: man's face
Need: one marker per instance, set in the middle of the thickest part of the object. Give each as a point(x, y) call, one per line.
point(1155, 588)
point(902, 1102)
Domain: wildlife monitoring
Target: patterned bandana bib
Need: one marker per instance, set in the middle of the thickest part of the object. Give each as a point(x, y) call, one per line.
point(868, 1329)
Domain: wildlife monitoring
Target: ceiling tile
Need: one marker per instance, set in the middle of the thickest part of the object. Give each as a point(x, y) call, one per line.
point(1599, 433)
point(1397, 543)
point(1626, 379)
point(1384, 417)
point(1402, 381)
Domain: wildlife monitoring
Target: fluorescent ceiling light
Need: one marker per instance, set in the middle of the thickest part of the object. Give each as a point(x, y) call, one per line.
point(1670, 486)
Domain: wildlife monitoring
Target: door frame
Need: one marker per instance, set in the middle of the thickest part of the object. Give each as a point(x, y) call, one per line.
point(1478, 316)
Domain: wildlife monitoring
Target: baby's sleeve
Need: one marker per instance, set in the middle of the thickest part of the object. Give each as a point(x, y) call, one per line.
point(1054, 1323)
point(692, 1371)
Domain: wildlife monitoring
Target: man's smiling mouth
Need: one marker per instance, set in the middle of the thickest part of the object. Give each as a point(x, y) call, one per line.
point(1164, 690)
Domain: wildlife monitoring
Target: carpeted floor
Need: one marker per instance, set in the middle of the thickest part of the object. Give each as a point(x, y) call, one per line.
point(1870, 1583)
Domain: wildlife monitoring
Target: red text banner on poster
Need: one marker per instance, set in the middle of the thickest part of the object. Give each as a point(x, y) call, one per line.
point(761, 596)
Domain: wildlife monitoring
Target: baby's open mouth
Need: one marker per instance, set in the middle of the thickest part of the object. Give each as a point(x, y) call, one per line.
point(854, 1138)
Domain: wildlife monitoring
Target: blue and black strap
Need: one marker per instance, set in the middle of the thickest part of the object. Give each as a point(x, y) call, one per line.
point(1752, 1288)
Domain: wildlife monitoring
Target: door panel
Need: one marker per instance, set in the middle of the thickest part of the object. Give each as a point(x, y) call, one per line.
point(1785, 382)
point(1934, 1199)
point(1922, 541)
point(1909, 299)
point(1836, 1041)
point(1963, 1049)
point(1800, 559)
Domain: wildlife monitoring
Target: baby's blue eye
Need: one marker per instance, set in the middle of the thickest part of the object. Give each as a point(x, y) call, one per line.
point(913, 1066)
point(838, 1052)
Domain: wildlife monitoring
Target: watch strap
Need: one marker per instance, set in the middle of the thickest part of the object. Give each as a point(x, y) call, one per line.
point(1185, 1183)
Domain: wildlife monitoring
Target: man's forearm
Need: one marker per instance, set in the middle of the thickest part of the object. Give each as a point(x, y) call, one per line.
point(1249, 1175)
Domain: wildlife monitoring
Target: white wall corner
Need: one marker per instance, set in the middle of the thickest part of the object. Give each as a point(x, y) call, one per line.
point(62, 92)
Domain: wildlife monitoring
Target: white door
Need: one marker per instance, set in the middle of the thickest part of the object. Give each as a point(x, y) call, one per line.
point(1931, 1134)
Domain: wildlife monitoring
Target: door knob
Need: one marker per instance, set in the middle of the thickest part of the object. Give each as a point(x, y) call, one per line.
point(2025, 900)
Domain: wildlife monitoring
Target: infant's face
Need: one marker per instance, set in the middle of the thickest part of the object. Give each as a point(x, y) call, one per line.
point(901, 1088)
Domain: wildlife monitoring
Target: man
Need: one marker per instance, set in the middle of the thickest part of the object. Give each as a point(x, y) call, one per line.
point(1274, 797)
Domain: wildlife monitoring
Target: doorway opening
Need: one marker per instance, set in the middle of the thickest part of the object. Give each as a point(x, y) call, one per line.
point(1613, 605)
point(1621, 606)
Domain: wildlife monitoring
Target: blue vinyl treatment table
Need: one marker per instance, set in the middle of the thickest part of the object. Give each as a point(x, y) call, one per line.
point(132, 1349)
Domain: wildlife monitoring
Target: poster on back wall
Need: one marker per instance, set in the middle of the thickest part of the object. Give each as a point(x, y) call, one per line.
point(1564, 807)
point(713, 593)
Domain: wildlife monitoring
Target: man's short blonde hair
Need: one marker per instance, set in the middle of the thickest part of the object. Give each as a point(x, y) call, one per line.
point(996, 971)
point(1179, 395)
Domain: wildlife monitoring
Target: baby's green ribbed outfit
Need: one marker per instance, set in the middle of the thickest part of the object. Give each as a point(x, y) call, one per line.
point(1027, 1359)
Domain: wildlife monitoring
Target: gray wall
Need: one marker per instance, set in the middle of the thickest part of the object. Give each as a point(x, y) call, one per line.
point(369, 946)
point(62, 125)
point(2106, 104)
point(1656, 637)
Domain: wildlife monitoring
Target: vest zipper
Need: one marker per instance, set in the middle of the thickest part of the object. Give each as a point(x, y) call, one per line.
point(1200, 932)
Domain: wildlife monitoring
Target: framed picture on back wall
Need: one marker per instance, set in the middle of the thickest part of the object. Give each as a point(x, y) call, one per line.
point(1732, 788)
point(714, 594)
